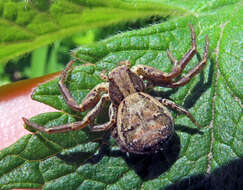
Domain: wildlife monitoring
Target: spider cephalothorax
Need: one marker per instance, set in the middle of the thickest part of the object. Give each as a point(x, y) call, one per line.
point(140, 123)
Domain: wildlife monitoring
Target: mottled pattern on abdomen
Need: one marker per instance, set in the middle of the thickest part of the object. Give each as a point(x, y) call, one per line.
point(143, 123)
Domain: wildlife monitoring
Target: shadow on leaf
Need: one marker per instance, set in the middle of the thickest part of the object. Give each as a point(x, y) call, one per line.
point(200, 87)
point(146, 166)
point(185, 129)
point(227, 177)
point(151, 166)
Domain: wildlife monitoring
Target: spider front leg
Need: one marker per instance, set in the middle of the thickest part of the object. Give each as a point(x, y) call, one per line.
point(160, 78)
point(174, 106)
point(89, 101)
point(94, 100)
point(89, 118)
point(194, 70)
point(179, 66)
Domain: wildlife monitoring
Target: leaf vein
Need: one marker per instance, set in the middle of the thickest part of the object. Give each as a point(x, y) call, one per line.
point(210, 154)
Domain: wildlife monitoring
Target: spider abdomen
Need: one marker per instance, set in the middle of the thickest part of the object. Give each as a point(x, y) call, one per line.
point(143, 124)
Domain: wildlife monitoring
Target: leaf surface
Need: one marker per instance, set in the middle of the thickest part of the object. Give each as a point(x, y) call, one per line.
point(85, 160)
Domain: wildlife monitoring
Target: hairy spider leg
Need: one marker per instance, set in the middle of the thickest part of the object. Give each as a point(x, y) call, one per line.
point(160, 78)
point(89, 118)
point(174, 106)
point(89, 101)
point(194, 70)
point(95, 99)
point(179, 66)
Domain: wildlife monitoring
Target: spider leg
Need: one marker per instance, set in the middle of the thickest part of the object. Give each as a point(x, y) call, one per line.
point(110, 123)
point(151, 74)
point(174, 106)
point(179, 66)
point(172, 58)
point(89, 101)
point(55, 129)
point(160, 78)
point(188, 56)
point(89, 118)
point(194, 70)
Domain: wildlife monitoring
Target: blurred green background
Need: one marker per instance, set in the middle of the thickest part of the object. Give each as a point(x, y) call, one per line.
point(52, 58)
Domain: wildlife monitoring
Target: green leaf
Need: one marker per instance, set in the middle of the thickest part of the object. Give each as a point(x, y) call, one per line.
point(28, 26)
point(85, 160)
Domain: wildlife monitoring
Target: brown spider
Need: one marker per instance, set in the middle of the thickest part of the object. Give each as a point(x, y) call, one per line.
point(140, 123)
